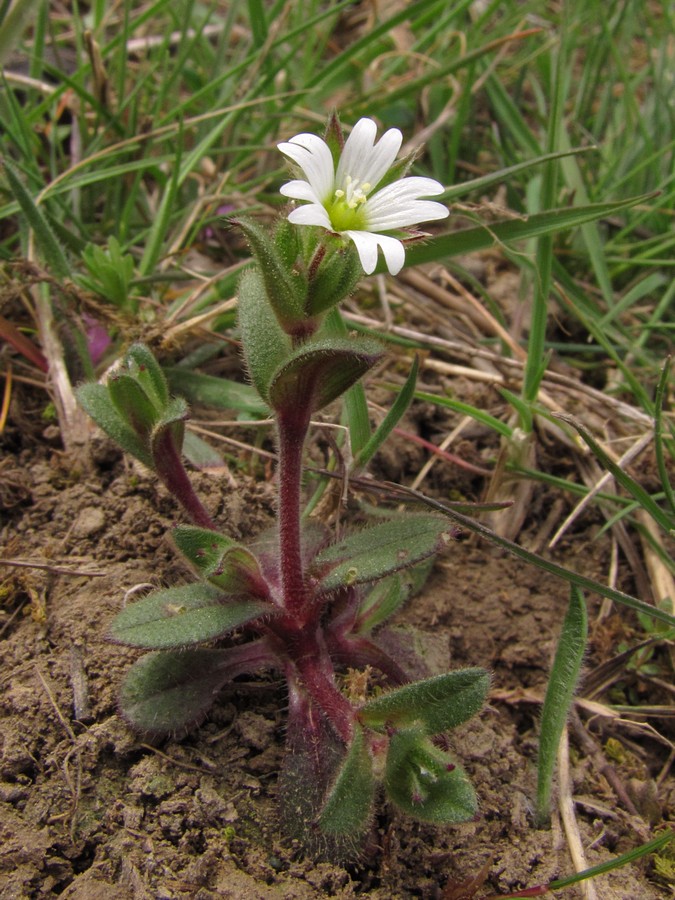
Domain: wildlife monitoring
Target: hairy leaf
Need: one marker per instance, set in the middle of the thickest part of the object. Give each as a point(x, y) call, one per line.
point(95, 400)
point(219, 559)
point(436, 704)
point(374, 552)
point(424, 781)
point(349, 801)
point(319, 371)
point(265, 343)
point(171, 692)
point(185, 615)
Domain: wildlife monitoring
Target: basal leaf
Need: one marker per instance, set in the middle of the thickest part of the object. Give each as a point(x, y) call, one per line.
point(171, 692)
point(182, 616)
point(219, 559)
point(349, 801)
point(374, 552)
point(424, 782)
point(435, 704)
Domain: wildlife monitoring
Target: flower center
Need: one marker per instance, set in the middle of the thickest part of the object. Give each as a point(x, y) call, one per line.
point(345, 207)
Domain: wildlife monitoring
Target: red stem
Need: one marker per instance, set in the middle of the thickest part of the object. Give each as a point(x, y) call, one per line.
point(292, 428)
point(169, 466)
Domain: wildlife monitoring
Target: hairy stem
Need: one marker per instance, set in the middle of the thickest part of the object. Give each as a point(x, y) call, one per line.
point(169, 466)
point(292, 426)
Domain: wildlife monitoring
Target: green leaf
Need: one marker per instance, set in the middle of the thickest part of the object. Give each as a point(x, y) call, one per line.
point(132, 403)
point(374, 552)
point(143, 366)
point(319, 372)
point(169, 429)
point(389, 594)
point(562, 682)
point(575, 578)
point(171, 692)
point(424, 782)
point(265, 343)
point(182, 616)
point(349, 801)
point(223, 562)
point(47, 242)
point(472, 239)
point(436, 704)
point(220, 393)
point(95, 400)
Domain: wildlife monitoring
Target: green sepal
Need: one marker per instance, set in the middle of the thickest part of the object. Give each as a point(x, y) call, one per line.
point(319, 371)
point(433, 705)
point(171, 692)
point(289, 246)
point(143, 366)
point(378, 551)
point(132, 403)
point(95, 400)
point(334, 137)
point(265, 343)
point(335, 280)
point(349, 801)
point(286, 289)
point(184, 616)
point(220, 560)
point(424, 782)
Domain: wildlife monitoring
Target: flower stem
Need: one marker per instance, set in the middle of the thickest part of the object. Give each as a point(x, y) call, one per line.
point(292, 427)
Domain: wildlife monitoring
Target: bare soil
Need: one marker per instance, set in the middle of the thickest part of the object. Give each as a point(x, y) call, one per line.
point(88, 810)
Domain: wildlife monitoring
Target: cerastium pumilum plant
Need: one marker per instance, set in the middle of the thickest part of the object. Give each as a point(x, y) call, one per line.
point(303, 604)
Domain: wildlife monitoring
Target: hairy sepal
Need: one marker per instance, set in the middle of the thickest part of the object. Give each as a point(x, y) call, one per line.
point(320, 371)
point(424, 782)
point(220, 560)
point(169, 693)
point(433, 705)
point(349, 802)
point(183, 616)
point(284, 286)
point(378, 551)
point(335, 280)
point(265, 343)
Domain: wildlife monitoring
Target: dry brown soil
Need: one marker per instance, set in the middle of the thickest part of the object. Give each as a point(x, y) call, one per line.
point(88, 810)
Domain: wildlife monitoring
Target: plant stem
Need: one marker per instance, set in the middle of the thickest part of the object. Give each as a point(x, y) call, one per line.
point(169, 466)
point(292, 427)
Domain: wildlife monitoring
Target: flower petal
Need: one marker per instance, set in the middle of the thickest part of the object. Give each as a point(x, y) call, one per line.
point(411, 213)
point(367, 244)
point(364, 160)
point(299, 190)
point(397, 204)
point(313, 156)
point(310, 214)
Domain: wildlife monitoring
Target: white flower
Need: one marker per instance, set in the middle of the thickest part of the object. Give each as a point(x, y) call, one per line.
point(346, 202)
